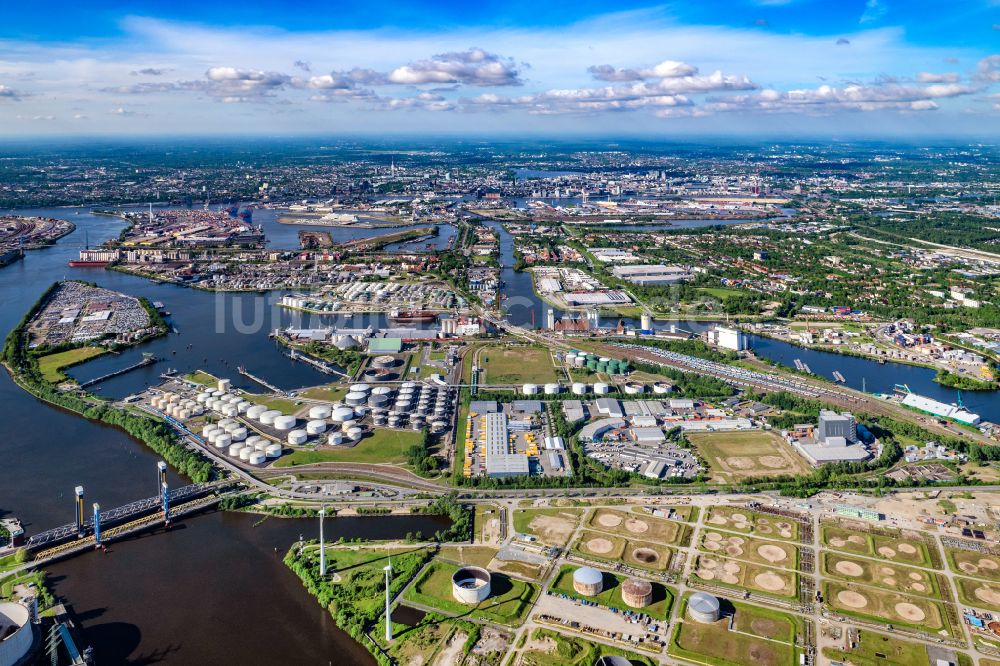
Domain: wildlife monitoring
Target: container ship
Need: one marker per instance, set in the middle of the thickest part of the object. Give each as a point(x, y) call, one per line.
point(246, 214)
point(413, 316)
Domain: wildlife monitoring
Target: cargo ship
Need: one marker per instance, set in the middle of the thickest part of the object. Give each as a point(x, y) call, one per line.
point(413, 316)
point(246, 214)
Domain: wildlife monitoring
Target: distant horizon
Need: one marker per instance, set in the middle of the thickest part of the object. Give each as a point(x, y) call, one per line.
point(744, 68)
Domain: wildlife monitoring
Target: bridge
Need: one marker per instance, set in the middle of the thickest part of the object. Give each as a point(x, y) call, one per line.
point(106, 524)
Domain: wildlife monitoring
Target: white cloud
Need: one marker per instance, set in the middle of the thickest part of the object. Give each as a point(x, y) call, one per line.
point(9, 93)
point(988, 69)
point(944, 77)
point(666, 69)
point(474, 67)
point(874, 10)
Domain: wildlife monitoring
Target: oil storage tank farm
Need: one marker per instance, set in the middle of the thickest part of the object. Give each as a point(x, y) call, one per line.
point(470, 585)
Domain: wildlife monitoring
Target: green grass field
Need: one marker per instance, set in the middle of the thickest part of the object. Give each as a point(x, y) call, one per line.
point(881, 546)
point(201, 377)
point(881, 605)
point(629, 525)
point(332, 392)
point(383, 446)
point(880, 574)
point(760, 636)
point(979, 593)
point(881, 650)
point(51, 365)
point(611, 596)
point(720, 292)
point(972, 563)
point(508, 604)
point(518, 365)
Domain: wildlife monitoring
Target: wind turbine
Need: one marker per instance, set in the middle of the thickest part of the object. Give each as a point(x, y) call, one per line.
point(388, 618)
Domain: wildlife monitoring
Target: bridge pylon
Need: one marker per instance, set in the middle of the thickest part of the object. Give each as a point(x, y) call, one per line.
point(79, 512)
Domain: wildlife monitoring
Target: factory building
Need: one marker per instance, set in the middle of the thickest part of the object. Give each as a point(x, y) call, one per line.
point(499, 461)
point(651, 274)
point(832, 424)
point(727, 338)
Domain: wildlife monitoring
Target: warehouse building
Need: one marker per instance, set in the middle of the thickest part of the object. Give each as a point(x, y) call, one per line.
point(499, 461)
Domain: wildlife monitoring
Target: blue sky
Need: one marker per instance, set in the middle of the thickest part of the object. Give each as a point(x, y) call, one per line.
point(740, 67)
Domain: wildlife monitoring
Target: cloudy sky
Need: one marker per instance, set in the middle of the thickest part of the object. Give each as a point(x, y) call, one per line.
point(881, 68)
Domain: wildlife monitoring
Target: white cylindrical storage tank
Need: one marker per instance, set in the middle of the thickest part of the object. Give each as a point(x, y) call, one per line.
point(268, 417)
point(18, 635)
point(261, 445)
point(341, 414)
point(202, 398)
point(335, 438)
point(661, 388)
point(297, 437)
point(234, 449)
point(634, 389)
point(246, 452)
point(377, 401)
point(224, 385)
point(255, 411)
point(230, 410)
point(284, 422)
point(243, 405)
point(197, 410)
point(439, 427)
point(530, 389)
point(355, 398)
point(703, 607)
point(360, 388)
point(316, 427)
point(600, 388)
point(579, 388)
point(579, 361)
point(347, 425)
point(551, 389)
point(239, 434)
point(320, 412)
point(355, 434)
point(185, 414)
point(470, 585)
point(273, 451)
point(208, 429)
point(382, 390)
point(257, 458)
point(221, 445)
point(230, 426)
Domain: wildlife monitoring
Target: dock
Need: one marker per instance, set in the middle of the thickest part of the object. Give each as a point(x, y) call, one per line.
point(802, 367)
point(148, 359)
point(839, 377)
point(270, 387)
point(325, 368)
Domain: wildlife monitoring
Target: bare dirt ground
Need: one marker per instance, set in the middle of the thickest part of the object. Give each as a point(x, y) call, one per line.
point(451, 655)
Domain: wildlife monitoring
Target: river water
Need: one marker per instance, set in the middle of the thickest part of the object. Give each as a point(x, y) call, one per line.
point(214, 590)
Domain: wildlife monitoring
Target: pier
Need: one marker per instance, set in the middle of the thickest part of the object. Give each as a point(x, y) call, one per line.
point(270, 387)
point(148, 359)
point(325, 368)
point(839, 377)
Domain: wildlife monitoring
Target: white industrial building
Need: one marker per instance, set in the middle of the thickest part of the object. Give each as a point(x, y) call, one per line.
point(651, 274)
point(940, 409)
point(727, 338)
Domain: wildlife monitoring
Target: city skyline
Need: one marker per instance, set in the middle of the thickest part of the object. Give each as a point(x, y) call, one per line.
point(770, 67)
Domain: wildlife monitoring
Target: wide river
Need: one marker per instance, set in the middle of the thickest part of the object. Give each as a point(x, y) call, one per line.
point(214, 590)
